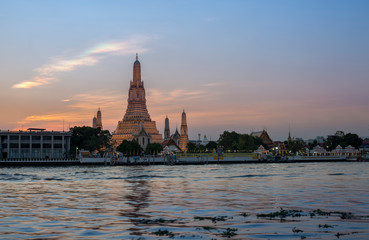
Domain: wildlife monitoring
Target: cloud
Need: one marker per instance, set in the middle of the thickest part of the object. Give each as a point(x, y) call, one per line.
point(37, 81)
point(214, 84)
point(79, 110)
point(90, 57)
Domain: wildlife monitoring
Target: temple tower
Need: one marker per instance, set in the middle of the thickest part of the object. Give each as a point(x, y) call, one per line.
point(137, 116)
point(184, 133)
point(94, 122)
point(166, 129)
point(98, 119)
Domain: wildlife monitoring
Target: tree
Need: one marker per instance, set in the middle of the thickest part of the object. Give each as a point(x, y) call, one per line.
point(129, 148)
point(89, 138)
point(211, 145)
point(228, 140)
point(351, 139)
point(295, 145)
point(191, 147)
point(236, 142)
point(313, 144)
point(343, 140)
point(153, 148)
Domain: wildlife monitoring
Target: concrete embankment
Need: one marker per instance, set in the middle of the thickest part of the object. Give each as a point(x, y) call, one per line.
point(199, 160)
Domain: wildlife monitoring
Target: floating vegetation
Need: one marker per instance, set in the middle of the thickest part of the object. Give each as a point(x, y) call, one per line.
point(229, 232)
point(281, 214)
point(343, 215)
point(155, 221)
point(319, 213)
point(213, 219)
point(244, 214)
point(325, 226)
point(296, 230)
point(208, 228)
point(338, 235)
point(164, 233)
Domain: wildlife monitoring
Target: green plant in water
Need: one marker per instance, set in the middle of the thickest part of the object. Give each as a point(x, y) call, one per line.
point(155, 221)
point(244, 214)
point(229, 232)
point(164, 233)
point(208, 228)
point(281, 214)
point(325, 226)
point(296, 230)
point(213, 219)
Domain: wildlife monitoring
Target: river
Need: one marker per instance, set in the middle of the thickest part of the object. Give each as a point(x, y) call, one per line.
point(298, 200)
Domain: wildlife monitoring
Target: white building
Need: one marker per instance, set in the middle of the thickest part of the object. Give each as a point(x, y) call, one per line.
point(34, 143)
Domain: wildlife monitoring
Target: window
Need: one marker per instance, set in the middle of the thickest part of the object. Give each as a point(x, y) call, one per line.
point(36, 145)
point(143, 141)
point(25, 137)
point(25, 145)
point(14, 137)
point(36, 137)
point(14, 145)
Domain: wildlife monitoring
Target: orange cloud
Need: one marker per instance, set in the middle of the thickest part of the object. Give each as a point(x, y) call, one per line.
point(90, 57)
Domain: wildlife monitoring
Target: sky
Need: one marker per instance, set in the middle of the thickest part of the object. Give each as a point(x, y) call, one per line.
point(231, 65)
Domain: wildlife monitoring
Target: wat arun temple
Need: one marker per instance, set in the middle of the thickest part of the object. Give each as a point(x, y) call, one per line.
point(136, 123)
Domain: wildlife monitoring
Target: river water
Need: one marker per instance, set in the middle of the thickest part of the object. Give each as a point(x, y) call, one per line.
point(186, 202)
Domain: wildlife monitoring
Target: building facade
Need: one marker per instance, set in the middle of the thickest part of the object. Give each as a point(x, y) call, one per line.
point(35, 143)
point(137, 116)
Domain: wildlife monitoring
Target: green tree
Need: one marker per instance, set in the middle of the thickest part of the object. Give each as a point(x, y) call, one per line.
point(153, 148)
point(295, 145)
point(313, 144)
point(228, 140)
point(211, 145)
point(129, 148)
point(191, 147)
point(349, 139)
point(239, 142)
point(89, 138)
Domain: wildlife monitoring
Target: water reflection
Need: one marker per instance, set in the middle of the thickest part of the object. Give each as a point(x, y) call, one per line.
point(137, 198)
point(107, 202)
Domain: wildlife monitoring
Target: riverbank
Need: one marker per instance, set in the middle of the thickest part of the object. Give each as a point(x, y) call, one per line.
point(152, 160)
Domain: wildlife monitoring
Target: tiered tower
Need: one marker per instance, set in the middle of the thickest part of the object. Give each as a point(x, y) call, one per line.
point(184, 133)
point(136, 115)
point(94, 122)
point(166, 129)
point(98, 120)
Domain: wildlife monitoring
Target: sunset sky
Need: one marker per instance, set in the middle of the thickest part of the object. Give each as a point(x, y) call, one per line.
point(232, 65)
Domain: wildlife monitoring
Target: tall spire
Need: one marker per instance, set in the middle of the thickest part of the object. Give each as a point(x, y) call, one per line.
point(137, 109)
point(184, 133)
point(99, 119)
point(137, 71)
point(166, 129)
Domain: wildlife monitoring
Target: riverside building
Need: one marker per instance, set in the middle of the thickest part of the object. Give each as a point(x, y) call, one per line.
point(35, 143)
point(136, 123)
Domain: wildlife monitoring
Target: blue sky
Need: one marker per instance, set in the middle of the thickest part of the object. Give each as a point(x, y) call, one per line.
point(232, 65)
